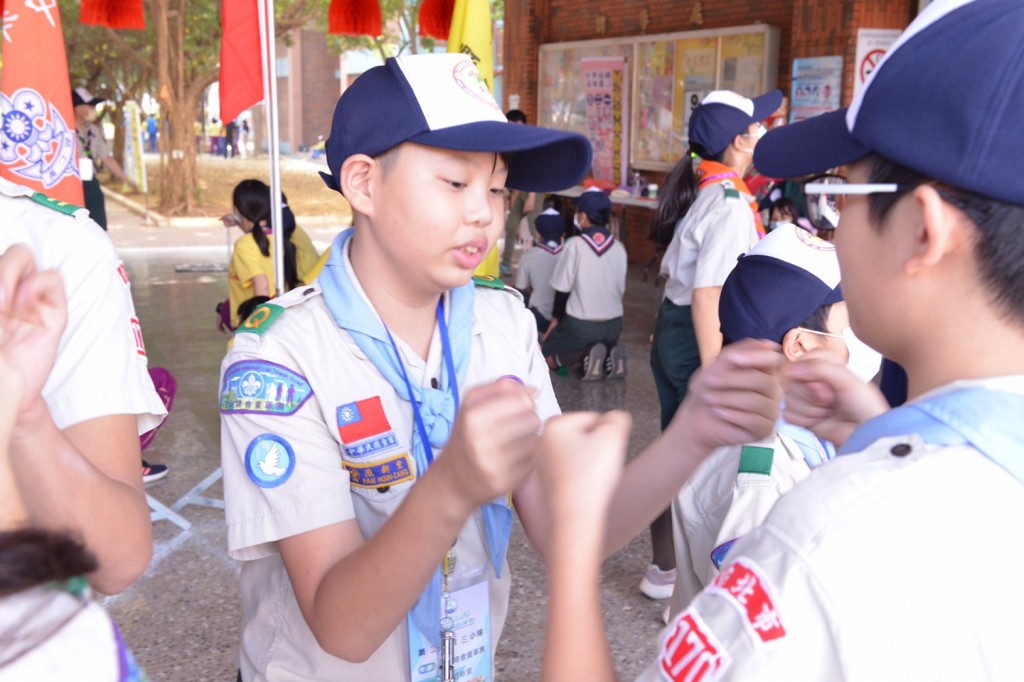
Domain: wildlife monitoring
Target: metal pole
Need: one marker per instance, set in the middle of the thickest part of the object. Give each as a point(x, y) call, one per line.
point(268, 41)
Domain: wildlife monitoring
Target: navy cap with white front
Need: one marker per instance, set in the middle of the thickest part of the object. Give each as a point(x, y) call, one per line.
point(947, 101)
point(596, 205)
point(550, 225)
point(724, 114)
point(778, 284)
point(440, 100)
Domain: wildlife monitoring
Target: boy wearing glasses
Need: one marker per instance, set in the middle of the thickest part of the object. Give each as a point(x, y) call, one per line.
point(890, 562)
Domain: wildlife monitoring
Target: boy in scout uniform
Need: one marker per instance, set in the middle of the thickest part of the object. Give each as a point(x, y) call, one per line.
point(372, 521)
point(533, 278)
point(589, 282)
point(891, 562)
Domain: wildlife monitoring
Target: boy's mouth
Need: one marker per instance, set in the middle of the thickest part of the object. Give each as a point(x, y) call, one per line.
point(470, 255)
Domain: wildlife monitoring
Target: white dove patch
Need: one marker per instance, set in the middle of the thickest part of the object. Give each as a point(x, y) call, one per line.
point(269, 460)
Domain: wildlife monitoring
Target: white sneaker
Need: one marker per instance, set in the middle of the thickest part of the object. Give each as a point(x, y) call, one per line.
point(593, 363)
point(658, 584)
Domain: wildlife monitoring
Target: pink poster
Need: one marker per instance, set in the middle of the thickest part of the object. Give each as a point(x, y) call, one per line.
point(605, 89)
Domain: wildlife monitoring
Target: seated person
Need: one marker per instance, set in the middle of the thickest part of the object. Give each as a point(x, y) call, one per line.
point(537, 265)
point(589, 283)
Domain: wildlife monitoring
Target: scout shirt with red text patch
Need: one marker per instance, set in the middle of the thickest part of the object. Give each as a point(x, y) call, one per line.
point(348, 440)
point(895, 563)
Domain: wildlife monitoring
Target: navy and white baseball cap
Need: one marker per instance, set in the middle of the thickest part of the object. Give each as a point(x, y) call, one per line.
point(596, 205)
point(550, 225)
point(778, 284)
point(947, 101)
point(724, 114)
point(80, 96)
point(440, 100)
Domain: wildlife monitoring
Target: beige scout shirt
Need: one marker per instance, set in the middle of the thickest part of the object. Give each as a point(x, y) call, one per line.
point(909, 568)
point(276, 642)
point(595, 283)
point(535, 269)
point(720, 503)
point(716, 231)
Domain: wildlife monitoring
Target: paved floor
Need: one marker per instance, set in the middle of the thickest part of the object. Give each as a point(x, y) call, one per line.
point(182, 616)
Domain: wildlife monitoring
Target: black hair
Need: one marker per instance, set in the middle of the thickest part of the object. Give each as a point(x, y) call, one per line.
point(818, 320)
point(997, 243)
point(678, 194)
point(515, 116)
point(787, 206)
point(251, 199)
point(599, 218)
point(246, 307)
point(31, 557)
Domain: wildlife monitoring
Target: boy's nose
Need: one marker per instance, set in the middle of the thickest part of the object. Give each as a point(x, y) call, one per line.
point(480, 207)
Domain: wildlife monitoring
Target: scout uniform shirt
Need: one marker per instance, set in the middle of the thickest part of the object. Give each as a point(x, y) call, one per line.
point(729, 495)
point(718, 229)
point(101, 364)
point(595, 284)
point(314, 435)
point(535, 269)
point(900, 562)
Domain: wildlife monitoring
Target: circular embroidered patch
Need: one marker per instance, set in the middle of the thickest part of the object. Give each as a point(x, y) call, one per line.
point(269, 460)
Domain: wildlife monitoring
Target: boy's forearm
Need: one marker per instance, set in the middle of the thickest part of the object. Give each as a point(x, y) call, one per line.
point(576, 643)
point(648, 485)
point(365, 595)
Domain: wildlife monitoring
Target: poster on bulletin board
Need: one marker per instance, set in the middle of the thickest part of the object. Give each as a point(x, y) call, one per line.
point(605, 87)
point(815, 86)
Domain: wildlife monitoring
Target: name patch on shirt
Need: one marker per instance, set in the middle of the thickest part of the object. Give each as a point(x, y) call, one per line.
point(380, 474)
point(261, 387)
point(746, 588)
point(269, 460)
point(691, 651)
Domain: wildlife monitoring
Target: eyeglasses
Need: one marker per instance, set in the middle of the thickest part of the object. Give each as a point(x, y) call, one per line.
point(825, 197)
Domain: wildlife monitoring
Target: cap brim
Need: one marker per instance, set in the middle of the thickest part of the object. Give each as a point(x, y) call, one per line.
point(542, 159)
point(767, 104)
point(810, 146)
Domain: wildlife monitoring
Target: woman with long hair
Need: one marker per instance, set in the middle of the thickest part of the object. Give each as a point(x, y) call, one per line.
point(706, 219)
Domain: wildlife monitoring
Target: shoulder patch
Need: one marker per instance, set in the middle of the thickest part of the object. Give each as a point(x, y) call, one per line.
point(261, 387)
point(261, 319)
point(691, 652)
point(488, 281)
point(756, 460)
point(731, 193)
point(60, 206)
point(269, 460)
point(746, 587)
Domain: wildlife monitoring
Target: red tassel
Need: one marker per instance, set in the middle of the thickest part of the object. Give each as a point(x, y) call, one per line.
point(114, 13)
point(354, 18)
point(436, 18)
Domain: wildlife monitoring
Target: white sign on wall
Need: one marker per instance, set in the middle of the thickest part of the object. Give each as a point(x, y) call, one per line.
point(872, 44)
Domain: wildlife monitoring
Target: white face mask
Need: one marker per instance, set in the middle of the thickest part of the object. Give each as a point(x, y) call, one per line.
point(576, 220)
point(864, 360)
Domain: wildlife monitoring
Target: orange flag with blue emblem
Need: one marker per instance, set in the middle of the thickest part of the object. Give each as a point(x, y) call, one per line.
point(38, 144)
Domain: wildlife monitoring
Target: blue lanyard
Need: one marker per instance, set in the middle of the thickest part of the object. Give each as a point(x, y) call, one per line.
point(453, 381)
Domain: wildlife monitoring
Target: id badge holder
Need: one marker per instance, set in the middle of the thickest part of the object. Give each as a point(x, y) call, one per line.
point(86, 169)
point(466, 611)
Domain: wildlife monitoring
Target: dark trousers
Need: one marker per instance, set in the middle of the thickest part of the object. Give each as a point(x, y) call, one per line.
point(95, 202)
point(572, 338)
point(674, 357)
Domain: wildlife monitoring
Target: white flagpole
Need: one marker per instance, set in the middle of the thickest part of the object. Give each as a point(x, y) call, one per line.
point(268, 42)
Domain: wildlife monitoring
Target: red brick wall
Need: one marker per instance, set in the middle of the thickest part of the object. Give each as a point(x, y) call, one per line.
point(808, 28)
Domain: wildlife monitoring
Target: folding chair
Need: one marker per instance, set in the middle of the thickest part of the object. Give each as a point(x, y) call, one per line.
point(166, 387)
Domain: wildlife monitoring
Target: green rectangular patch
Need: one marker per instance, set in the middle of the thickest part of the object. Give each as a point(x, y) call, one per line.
point(260, 320)
point(756, 460)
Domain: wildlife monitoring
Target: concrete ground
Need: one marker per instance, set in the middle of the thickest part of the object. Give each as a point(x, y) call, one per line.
point(182, 617)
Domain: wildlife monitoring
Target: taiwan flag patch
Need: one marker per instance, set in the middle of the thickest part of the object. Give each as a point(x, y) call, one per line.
point(361, 420)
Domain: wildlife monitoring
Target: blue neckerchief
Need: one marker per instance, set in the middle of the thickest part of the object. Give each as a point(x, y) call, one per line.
point(553, 247)
point(810, 445)
point(436, 406)
point(599, 238)
point(988, 420)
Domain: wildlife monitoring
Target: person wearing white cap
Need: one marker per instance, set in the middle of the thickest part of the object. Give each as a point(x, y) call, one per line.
point(93, 154)
point(899, 559)
point(706, 219)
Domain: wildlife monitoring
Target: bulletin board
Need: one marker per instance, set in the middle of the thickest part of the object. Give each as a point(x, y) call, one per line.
point(670, 74)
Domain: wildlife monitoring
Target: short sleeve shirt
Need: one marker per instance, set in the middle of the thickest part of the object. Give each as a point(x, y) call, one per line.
point(535, 269)
point(247, 261)
point(101, 364)
point(304, 392)
point(595, 284)
point(888, 564)
point(718, 229)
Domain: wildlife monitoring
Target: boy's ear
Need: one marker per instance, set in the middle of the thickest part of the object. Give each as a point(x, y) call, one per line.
point(941, 231)
point(794, 344)
point(355, 179)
